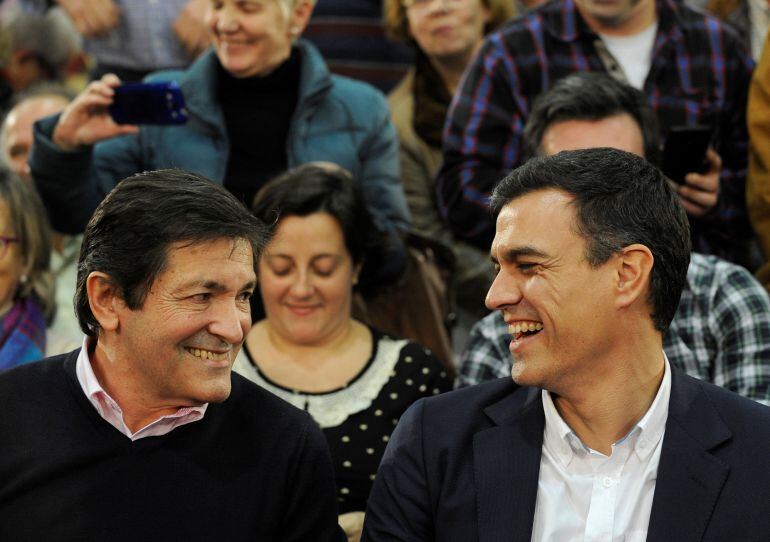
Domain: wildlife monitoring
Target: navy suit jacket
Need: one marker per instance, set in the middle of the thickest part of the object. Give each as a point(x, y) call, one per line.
point(464, 466)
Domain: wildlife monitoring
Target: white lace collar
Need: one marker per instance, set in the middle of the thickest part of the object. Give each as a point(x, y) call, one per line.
point(333, 408)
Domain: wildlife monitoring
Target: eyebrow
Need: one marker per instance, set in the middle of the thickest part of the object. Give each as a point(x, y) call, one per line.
point(314, 258)
point(214, 286)
point(515, 253)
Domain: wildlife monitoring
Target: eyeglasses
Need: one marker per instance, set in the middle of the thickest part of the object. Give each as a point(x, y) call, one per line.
point(424, 5)
point(5, 242)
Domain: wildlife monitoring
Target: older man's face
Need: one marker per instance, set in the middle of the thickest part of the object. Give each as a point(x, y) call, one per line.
point(183, 341)
point(17, 130)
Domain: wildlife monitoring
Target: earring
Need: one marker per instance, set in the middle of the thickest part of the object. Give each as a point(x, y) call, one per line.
point(355, 280)
point(23, 278)
point(294, 31)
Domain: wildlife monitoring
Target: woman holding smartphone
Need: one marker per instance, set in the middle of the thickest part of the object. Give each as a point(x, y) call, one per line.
point(261, 100)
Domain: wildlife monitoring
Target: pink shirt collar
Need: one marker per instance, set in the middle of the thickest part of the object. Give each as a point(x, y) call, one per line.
point(110, 411)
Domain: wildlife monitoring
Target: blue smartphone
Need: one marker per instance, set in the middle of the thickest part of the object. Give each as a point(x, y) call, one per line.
point(148, 103)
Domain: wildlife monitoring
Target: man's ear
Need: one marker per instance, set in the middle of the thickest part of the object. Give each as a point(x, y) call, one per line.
point(104, 300)
point(634, 267)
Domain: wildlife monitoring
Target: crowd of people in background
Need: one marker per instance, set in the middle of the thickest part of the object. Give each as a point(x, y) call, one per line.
point(368, 137)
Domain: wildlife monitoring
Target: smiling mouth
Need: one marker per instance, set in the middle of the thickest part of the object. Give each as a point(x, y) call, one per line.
point(302, 309)
point(208, 354)
point(520, 330)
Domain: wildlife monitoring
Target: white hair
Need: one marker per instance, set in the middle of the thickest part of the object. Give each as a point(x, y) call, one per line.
point(288, 5)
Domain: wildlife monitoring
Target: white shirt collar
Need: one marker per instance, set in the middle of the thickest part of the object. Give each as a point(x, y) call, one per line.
point(562, 441)
point(111, 412)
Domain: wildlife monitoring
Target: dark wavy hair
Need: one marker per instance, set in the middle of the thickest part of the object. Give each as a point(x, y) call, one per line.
point(321, 187)
point(620, 199)
point(132, 229)
point(591, 96)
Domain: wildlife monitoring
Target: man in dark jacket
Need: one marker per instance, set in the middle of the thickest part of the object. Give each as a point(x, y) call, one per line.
point(597, 437)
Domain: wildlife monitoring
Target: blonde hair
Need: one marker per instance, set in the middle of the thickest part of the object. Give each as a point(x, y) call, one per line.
point(397, 25)
point(30, 224)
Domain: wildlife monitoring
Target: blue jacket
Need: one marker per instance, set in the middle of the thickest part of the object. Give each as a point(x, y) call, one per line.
point(336, 120)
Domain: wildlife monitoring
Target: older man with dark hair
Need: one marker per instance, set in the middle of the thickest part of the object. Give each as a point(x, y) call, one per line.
point(721, 330)
point(597, 437)
point(144, 433)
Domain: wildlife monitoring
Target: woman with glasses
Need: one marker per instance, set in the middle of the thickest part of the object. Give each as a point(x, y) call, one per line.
point(445, 34)
point(26, 283)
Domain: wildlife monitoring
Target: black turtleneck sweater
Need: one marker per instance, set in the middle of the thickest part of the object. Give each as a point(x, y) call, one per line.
point(258, 112)
point(254, 468)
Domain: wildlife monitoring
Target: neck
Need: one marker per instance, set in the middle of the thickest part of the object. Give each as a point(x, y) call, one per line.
point(119, 381)
point(612, 400)
point(317, 353)
point(641, 16)
point(451, 68)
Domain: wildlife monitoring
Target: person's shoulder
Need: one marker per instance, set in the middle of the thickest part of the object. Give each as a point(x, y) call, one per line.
point(464, 408)
point(402, 93)
point(411, 356)
point(546, 18)
point(201, 68)
point(745, 418)
point(252, 400)
point(401, 102)
point(38, 381)
point(711, 275)
point(355, 93)
point(695, 21)
point(49, 369)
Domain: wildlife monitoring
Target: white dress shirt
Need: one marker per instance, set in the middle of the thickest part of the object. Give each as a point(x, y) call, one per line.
point(109, 409)
point(583, 494)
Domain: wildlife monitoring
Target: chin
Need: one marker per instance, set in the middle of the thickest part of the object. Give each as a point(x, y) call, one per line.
point(524, 374)
point(216, 393)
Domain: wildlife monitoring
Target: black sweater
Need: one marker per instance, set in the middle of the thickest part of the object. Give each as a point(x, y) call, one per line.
point(255, 468)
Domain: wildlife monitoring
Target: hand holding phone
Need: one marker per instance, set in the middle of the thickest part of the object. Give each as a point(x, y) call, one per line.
point(700, 193)
point(86, 120)
point(148, 103)
point(684, 151)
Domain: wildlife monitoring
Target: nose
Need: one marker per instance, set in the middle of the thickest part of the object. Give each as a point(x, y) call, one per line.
point(229, 321)
point(226, 19)
point(438, 5)
point(302, 286)
point(504, 292)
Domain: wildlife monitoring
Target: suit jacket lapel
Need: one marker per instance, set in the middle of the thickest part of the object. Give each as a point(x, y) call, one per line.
point(690, 478)
point(506, 467)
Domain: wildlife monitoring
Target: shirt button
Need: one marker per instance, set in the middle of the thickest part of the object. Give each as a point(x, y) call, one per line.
point(607, 482)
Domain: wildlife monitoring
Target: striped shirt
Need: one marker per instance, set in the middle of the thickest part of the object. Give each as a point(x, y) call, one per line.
point(699, 74)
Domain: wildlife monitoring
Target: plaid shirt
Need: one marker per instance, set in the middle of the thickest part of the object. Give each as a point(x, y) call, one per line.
point(720, 333)
point(699, 74)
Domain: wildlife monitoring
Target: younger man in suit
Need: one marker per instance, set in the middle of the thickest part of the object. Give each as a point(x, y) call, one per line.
point(597, 437)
